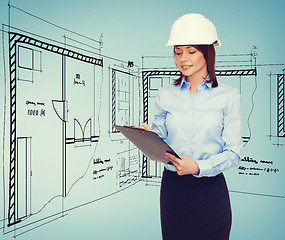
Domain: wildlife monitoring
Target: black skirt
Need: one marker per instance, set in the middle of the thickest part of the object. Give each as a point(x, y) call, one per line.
point(194, 208)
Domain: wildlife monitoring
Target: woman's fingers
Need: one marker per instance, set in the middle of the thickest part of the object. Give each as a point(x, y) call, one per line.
point(176, 162)
point(184, 165)
point(173, 159)
point(145, 126)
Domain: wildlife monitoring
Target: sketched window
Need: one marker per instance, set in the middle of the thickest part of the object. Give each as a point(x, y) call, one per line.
point(29, 60)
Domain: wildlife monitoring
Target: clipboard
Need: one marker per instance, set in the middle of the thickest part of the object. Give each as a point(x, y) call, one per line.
point(148, 142)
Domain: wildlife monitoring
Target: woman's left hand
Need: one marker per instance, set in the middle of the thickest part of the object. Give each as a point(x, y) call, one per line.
point(184, 165)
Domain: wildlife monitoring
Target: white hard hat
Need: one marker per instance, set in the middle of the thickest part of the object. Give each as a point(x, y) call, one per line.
point(193, 29)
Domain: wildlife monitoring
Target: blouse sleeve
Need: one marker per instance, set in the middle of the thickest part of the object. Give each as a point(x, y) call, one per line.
point(158, 123)
point(232, 139)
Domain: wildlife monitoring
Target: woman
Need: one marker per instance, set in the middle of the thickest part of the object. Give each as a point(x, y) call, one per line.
point(201, 120)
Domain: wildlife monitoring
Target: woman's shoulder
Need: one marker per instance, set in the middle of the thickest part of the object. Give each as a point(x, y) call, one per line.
point(222, 87)
point(167, 89)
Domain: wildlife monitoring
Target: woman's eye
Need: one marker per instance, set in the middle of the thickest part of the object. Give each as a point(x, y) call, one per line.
point(192, 52)
point(177, 53)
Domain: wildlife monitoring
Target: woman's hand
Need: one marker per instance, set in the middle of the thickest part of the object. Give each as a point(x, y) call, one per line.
point(184, 165)
point(145, 126)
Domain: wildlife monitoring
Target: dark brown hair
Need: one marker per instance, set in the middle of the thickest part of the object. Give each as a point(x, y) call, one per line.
point(209, 54)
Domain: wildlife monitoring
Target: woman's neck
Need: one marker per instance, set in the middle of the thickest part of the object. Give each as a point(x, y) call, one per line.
point(194, 82)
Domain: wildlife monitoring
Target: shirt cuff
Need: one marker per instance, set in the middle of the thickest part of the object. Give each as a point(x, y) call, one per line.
point(204, 166)
point(170, 167)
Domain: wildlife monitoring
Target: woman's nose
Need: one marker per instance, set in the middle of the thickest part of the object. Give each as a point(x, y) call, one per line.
point(184, 57)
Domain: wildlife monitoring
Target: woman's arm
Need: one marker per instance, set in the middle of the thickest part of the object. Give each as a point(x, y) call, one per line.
point(232, 139)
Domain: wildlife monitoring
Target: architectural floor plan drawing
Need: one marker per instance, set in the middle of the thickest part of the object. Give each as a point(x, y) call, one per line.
point(125, 110)
point(52, 118)
point(62, 155)
point(62, 97)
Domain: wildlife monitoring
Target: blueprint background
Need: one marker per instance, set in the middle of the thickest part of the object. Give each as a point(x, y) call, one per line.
point(135, 28)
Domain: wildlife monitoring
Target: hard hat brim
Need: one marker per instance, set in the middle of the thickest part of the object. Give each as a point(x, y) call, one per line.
point(216, 43)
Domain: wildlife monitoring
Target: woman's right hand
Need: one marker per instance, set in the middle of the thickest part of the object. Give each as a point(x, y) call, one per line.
point(145, 126)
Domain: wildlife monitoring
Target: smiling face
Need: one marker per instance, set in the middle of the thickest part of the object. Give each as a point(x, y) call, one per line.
point(190, 62)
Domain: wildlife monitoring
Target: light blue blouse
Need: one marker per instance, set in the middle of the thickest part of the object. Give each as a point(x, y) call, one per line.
point(206, 126)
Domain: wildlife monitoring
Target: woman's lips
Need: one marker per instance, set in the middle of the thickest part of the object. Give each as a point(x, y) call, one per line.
point(186, 67)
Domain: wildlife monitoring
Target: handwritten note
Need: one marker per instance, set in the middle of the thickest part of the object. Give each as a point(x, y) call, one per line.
point(98, 173)
point(253, 167)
